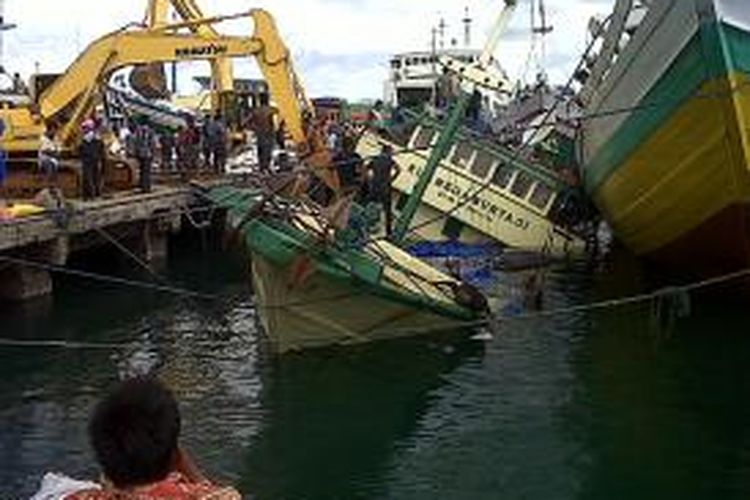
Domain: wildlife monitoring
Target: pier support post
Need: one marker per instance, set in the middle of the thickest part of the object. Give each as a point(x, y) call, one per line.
point(20, 283)
point(154, 242)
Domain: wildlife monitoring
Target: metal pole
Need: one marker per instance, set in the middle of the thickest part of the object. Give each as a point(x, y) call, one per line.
point(3, 27)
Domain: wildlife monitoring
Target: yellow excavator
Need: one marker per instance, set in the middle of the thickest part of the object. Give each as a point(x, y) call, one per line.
point(72, 97)
point(224, 96)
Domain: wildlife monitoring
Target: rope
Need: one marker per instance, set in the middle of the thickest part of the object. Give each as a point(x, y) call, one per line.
point(494, 319)
point(125, 250)
point(111, 279)
point(164, 288)
point(594, 306)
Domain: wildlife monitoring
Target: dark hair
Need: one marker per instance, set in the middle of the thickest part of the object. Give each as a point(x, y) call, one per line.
point(134, 432)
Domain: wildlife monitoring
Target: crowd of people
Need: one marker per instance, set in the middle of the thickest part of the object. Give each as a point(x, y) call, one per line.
point(364, 180)
point(189, 148)
point(204, 146)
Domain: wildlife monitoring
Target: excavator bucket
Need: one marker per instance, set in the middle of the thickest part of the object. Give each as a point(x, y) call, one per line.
point(150, 81)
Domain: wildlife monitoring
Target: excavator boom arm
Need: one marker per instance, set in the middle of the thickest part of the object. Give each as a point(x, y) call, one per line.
point(130, 47)
point(188, 10)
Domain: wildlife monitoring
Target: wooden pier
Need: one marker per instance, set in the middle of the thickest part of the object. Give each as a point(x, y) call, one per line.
point(141, 222)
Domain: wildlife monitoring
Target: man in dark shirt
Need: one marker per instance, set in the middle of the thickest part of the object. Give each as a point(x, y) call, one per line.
point(217, 137)
point(145, 143)
point(349, 165)
point(167, 145)
point(262, 123)
point(91, 152)
point(381, 172)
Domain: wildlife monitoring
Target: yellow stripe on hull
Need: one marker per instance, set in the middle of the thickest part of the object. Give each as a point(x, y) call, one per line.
point(691, 169)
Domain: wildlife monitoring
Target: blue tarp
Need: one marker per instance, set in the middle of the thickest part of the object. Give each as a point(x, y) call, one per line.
point(3, 167)
point(474, 261)
point(427, 249)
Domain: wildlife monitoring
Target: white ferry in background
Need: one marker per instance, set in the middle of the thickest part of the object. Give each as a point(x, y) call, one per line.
point(421, 77)
point(418, 78)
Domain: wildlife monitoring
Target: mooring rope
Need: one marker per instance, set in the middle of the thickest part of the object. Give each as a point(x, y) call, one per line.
point(455, 326)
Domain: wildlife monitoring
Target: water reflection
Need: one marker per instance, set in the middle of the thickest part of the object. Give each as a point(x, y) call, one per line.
point(336, 418)
point(586, 405)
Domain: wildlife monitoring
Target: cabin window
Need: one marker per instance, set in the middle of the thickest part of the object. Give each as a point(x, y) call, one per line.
point(423, 140)
point(541, 196)
point(483, 163)
point(502, 176)
point(396, 64)
point(452, 228)
point(522, 185)
point(462, 155)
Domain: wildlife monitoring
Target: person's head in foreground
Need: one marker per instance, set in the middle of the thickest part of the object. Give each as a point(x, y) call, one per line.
point(134, 433)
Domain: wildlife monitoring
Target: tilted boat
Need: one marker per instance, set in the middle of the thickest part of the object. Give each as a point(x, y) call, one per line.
point(316, 286)
point(490, 192)
point(665, 145)
point(455, 185)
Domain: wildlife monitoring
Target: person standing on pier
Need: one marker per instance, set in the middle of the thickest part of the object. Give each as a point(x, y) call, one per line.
point(145, 144)
point(217, 137)
point(91, 153)
point(188, 146)
point(167, 146)
point(49, 155)
point(205, 141)
point(262, 123)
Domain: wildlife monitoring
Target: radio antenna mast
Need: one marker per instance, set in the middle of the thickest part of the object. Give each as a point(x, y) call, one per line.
point(3, 28)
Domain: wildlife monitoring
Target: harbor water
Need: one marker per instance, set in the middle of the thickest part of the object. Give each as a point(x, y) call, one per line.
point(618, 403)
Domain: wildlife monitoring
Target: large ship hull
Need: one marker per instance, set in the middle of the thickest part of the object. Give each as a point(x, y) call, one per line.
point(669, 169)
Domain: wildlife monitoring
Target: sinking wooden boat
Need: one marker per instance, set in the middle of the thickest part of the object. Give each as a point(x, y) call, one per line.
point(511, 201)
point(665, 150)
point(314, 287)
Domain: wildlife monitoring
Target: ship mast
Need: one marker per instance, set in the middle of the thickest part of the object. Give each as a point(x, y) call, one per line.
point(541, 31)
point(3, 28)
point(467, 28)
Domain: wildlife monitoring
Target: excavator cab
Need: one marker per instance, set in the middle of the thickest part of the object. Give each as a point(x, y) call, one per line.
point(235, 110)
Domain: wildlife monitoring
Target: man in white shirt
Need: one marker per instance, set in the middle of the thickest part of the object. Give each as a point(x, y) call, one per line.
point(49, 156)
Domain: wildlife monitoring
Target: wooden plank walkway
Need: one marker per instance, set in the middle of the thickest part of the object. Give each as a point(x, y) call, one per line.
point(85, 216)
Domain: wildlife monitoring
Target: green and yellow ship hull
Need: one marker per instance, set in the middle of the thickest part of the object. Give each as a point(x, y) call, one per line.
point(666, 148)
point(311, 292)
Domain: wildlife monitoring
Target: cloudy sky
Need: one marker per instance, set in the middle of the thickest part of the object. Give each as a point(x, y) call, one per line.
point(341, 47)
